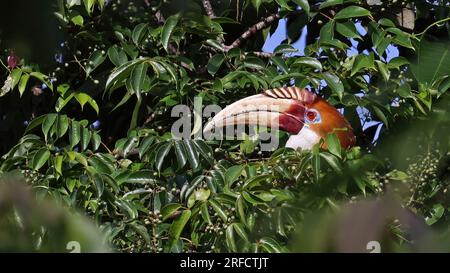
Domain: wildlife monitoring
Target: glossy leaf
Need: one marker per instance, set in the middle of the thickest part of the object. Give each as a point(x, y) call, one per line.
point(168, 29)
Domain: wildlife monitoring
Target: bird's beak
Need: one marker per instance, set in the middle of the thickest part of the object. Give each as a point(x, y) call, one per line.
point(261, 110)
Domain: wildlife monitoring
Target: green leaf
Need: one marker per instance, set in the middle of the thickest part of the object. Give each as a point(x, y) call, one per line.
point(397, 175)
point(229, 239)
point(111, 182)
point(404, 90)
point(177, 227)
point(84, 98)
point(88, 5)
point(333, 144)
point(362, 62)
point(251, 198)
point(129, 145)
point(240, 230)
point(256, 181)
point(432, 61)
point(137, 79)
point(254, 63)
point(351, 12)
point(180, 153)
point(169, 69)
point(58, 164)
point(99, 185)
point(233, 173)
point(74, 133)
point(167, 30)
point(216, 207)
point(35, 123)
point(361, 184)
point(436, 214)
point(214, 63)
point(101, 165)
point(330, 3)
point(280, 63)
point(271, 245)
point(85, 138)
point(257, 4)
point(316, 162)
point(140, 177)
point(386, 22)
point(62, 88)
point(384, 71)
point(40, 158)
point(187, 188)
point(96, 59)
point(101, 4)
point(333, 161)
point(192, 154)
point(62, 102)
point(334, 82)
point(47, 124)
point(205, 213)
point(327, 32)
point(397, 62)
point(77, 19)
point(348, 30)
point(145, 145)
point(15, 75)
point(129, 210)
point(62, 124)
point(240, 208)
point(139, 33)
point(168, 210)
point(401, 38)
point(135, 115)
point(142, 231)
point(23, 83)
point(284, 48)
point(96, 141)
point(380, 115)
point(43, 78)
point(122, 72)
point(204, 150)
point(117, 55)
point(309, 61)
point(161, 154)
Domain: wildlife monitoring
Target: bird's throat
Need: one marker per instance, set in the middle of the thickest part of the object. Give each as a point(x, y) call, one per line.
point(304, 140)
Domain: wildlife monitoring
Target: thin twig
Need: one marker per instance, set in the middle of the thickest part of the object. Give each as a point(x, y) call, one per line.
point(326, 16)
point(149, 119)
point(106, 147)
point(82, 67)
point(263, 54)
point(253, 29)
point(5, 66)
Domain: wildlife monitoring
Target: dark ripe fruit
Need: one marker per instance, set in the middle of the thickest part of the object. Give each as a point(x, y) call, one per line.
point(12, 60)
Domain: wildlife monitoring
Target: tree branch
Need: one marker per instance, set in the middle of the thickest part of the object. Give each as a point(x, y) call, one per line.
point(247, 34)
point(208, 7)
point(253, 29)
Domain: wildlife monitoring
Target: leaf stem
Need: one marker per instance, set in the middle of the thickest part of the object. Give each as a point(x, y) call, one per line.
point(430, 26)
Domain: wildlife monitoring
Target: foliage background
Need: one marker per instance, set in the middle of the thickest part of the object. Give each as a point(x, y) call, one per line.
point(86, 116)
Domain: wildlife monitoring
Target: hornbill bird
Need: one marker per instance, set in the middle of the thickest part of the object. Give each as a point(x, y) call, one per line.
point(306, 116)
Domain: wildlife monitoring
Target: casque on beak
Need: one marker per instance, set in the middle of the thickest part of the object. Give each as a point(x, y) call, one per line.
point(262, 110)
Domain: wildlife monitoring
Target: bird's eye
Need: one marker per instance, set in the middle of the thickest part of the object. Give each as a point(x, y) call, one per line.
point(311, 115)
